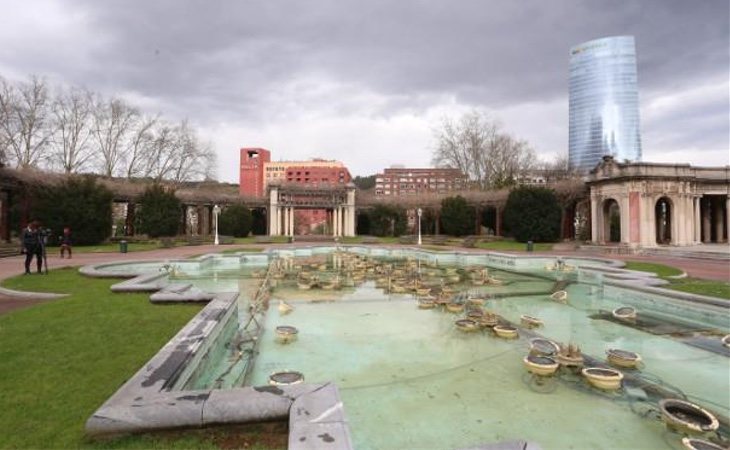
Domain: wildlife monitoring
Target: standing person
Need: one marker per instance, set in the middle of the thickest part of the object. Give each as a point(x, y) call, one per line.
point(66, 242)
point(31, 240)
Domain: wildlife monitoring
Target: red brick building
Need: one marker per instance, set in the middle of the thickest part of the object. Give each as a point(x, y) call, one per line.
point(257, 171)
point(397, 181)
point(252, 168)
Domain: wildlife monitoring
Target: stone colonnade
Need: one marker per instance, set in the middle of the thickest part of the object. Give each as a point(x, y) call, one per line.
point(283, 204)
point(658, 204)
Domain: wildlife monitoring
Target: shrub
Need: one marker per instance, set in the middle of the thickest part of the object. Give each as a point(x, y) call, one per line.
point(532, 214)
point(235, 220)
point(388, 220)
point(79, 203)
point(363, 223)
point(457, 217)
point(160, 212)
point(258, 221)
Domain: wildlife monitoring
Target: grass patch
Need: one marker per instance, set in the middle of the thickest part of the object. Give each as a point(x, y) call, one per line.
point(510, 245)
point(243, 249)
point(661, 270)
point(690, 285)
point(701, 287)
point(60, 360)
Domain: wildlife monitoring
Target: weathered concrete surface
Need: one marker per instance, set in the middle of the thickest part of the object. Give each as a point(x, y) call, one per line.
point(142, 283)
point(146, 395)
point(30, 295)
point(253, 404)
point(510, 445)
point(164, 410)
point(180, 293)
point(317, 421)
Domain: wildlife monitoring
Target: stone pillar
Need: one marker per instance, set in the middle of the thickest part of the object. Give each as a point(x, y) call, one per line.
point(350, 213)
point(625, 213)
point(336, 221)
point(595, 237)
point(696, 221)
point(675, 212)
point(291, 222)
point(719, 208)
point(273, 212)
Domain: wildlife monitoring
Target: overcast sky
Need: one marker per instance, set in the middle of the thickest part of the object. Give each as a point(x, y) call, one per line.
point(367, 81)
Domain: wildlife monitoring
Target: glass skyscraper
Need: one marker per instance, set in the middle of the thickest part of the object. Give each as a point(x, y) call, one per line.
point(604, 102)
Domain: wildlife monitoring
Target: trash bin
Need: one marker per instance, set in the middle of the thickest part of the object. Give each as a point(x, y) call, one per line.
point(529, 246)
point(122, 246)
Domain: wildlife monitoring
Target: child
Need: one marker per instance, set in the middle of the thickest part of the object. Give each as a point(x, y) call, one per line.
point(65, 241)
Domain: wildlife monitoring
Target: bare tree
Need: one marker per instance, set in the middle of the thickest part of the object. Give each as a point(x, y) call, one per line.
point(139, 152)
point(178, 155)
point(559, 169)
point(72, 113)
point(113, 120)
point(478, 147)
point(162, 151)
point(8, 132)
point(25, 125)
point(195, 160)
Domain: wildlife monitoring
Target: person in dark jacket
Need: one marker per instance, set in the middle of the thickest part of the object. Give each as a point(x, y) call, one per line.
point(32, 245)
point(65, 241)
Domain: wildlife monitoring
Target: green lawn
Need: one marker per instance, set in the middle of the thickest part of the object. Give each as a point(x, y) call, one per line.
point(243, 249)
point(60, 360)
point(711, 288)
point(513, 246)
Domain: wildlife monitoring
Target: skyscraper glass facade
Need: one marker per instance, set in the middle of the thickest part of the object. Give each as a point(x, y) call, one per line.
point(604, 102)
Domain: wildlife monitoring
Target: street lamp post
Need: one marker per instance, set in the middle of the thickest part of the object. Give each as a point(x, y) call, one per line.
point(419, 211)
point(216, 213)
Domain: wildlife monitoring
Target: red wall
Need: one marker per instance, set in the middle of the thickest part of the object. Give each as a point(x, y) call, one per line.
point(251, 175)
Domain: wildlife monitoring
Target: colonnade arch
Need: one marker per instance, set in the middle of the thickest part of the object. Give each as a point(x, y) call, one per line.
point(663, 220)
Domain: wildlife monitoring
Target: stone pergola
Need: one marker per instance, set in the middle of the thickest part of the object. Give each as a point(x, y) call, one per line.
point(647, 204)
point(285, 199)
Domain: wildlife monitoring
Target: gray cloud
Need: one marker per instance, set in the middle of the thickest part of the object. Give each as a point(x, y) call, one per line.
point(257, 64)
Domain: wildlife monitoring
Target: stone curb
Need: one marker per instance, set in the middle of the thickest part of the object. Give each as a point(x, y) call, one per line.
point(31, 295)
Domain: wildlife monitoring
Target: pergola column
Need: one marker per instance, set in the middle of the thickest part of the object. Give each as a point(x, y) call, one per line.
point(336, 221)
point(696, 220)
point(350, 213)
point(595, 238)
